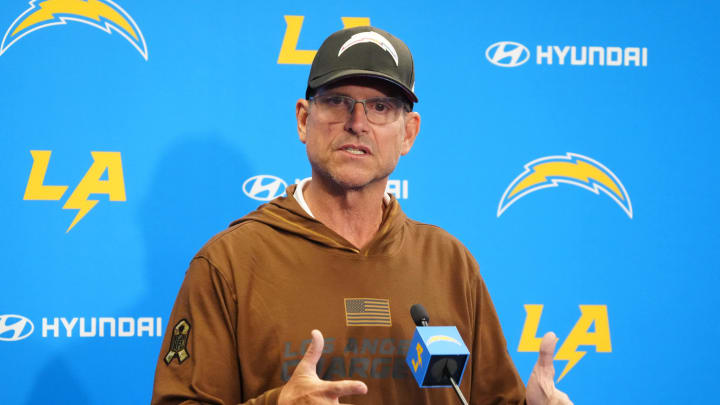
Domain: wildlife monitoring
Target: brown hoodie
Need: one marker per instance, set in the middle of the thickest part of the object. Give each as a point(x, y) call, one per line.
point(253, 293)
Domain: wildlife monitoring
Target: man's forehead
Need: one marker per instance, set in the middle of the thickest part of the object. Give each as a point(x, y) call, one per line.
point(383, 86)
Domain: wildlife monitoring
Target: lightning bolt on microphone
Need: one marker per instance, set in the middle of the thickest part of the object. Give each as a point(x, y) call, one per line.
point(439, 356)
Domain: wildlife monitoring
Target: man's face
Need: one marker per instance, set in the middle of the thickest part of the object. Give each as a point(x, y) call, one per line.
point(355, 153)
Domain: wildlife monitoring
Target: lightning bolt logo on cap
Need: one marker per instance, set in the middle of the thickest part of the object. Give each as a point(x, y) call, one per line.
point(102, 14)
point(573, 169)
point(373, 38)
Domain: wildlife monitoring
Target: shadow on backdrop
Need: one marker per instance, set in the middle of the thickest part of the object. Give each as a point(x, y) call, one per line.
point(56, 381)
point(195, 192)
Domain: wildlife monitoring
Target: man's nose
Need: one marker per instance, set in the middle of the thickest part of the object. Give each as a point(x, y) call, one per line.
point(357, 121)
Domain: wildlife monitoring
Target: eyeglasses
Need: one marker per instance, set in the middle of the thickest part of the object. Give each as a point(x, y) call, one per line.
point(378, 110)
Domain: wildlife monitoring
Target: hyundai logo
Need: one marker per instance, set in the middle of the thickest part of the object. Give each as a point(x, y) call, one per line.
point(264, 187)
point(15, 327)
point(507, 54)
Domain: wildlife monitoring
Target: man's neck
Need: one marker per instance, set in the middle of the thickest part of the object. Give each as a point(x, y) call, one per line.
point(353, 214)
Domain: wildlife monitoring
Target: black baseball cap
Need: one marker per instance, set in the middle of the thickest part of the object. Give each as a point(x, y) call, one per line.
point(363, 52)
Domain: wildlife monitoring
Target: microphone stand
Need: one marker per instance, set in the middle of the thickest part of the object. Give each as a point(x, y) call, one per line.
point(461, 397)
point(457, 391)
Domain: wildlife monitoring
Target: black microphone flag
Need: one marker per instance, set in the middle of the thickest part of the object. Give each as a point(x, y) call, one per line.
point(436, 353)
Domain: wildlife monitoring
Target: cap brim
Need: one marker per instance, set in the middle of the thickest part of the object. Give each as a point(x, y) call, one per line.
point(332, 77)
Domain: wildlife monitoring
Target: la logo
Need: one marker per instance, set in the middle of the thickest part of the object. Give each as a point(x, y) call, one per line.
point(91, 183)
point(289, 54)
point(582, 334)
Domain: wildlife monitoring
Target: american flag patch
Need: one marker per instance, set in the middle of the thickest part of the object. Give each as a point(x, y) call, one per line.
point(367, 312)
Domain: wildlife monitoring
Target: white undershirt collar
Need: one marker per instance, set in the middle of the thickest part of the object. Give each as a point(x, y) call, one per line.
point(301, 199)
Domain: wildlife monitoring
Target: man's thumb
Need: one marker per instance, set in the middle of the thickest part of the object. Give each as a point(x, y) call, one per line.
point(312, 355)
point(547, 350)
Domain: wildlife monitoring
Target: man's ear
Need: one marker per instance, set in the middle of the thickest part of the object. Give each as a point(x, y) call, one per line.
point(302, 109)
point(412, 128)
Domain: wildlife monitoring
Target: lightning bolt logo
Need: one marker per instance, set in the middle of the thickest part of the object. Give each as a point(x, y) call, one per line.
point(80, 203)
point(592, 317)
point(442, 338)
point(92, 183)
point(572, 356)
point(101, 14)
point(574, 169)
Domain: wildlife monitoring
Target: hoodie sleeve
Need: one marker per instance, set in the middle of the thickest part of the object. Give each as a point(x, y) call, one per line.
point(198, 361)
point(495, 378)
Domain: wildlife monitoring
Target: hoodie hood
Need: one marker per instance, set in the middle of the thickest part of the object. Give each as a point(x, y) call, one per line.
point(286, 215)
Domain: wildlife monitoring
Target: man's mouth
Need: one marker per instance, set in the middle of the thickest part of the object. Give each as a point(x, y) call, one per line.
point(355, 150)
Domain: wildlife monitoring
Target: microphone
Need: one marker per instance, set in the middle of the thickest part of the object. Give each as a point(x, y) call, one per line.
point(419, 315)
point(439, 356)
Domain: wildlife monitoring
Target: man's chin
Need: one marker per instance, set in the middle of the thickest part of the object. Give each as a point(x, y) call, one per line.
point(347, 177)
point(352, 182)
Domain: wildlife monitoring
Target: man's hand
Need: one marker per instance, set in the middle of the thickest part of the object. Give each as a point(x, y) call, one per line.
point(306, 388)
point(541, 388)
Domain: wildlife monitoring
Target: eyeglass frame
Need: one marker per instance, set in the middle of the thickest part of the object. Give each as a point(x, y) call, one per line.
point(404, 104)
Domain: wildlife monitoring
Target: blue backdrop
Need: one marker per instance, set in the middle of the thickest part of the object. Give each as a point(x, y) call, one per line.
point(570, 146)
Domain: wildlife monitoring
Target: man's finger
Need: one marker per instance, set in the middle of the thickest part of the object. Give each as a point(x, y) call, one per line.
point(547, 350)
point(561, 398)
point(312, 354)
point(337, 389)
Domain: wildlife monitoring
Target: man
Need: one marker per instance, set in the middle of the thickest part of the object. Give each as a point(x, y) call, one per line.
point(337, 254)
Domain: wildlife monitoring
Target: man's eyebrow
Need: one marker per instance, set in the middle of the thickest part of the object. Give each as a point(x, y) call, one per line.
point(333, 93)
point(340, 93)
